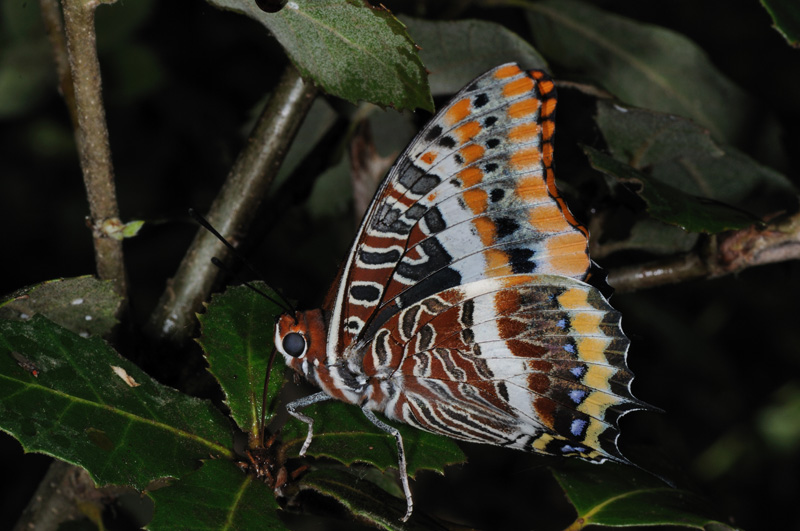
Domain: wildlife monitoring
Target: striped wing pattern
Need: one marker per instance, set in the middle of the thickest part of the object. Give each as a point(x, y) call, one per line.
point(462, 307)
point(533, 362)
point(472, 197)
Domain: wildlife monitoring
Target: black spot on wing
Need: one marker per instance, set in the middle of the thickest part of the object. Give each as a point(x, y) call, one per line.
point(506, 227)
point(434, 221)
point(447, 142)
point(379, 257)
point(434, 133)
point(364, 293)
point(520, 260)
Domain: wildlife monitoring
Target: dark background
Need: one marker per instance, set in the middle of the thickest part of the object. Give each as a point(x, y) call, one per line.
point(183, 81)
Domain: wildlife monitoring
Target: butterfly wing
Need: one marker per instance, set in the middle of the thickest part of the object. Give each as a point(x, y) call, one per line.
point(472, 197)
point(534, 362)
point(463, 302)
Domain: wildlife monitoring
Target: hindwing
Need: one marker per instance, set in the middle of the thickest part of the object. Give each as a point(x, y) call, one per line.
point(534, 362)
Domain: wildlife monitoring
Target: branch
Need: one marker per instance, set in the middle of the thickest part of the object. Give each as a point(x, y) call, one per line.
point(234, 208)
point(91, 134)
point(728, 253)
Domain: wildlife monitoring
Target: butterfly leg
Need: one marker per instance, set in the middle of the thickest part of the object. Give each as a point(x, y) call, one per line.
point(301, 403)
point(401, 454)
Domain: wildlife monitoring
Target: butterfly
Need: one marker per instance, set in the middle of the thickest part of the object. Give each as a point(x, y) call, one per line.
point(462, 308)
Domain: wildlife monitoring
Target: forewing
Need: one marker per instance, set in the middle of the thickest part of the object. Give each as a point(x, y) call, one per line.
point(535, 362)
point(472, 197)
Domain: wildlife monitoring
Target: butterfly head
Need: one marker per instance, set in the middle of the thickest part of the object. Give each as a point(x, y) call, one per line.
point(301, 339)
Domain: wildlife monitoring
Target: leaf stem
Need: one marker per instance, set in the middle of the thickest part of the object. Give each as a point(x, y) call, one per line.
point(234, 207)
point(91, 132)
point(724, 254)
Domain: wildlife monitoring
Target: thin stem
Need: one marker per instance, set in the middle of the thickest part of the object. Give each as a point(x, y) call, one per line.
point(727, 253)
point(234, 208)
point(91, 136)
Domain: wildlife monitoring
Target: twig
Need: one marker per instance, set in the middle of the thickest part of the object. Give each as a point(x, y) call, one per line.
point(727, 253)
point(75, 53)
point(234, 208)
point(91, 135)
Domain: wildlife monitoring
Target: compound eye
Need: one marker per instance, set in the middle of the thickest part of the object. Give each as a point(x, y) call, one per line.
point(294, 344)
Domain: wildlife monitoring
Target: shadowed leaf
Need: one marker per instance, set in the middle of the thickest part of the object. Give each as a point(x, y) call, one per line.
point(456, 52)
point(675, 151)
point(217, 496)
point(669, 204)
point(365, 500)
point(343, 433)
point(644, 65)
point(85, 305)
point(785, 18)
point(611, 495)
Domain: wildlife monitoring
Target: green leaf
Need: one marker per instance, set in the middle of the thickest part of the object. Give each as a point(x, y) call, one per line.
point(616, 496)
point(85, 305)
point(349, 48)
point(91, 407)
point(646, 138)
point(642, 64)
point(365, 500)
point(217, 496)
point(676, 151)
point(236, 334)
point(456, 52)
point(785, 18)
point(342, 432)
point(669, 204)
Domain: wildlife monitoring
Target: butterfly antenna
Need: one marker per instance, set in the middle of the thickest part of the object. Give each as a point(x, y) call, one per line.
point(283, 303)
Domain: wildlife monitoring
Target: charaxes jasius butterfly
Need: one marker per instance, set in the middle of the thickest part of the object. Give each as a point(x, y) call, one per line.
point(462, 308)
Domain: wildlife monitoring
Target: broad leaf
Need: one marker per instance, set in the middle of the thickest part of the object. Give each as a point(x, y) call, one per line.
point(456, 52)
point(785, 18)
point(217, 496)
point(349, 48)
point(614, 495)
point(343, 433)
point(677, 152)
point(669, 204)
point(87, 405)
point(365, 500)
point(645, 138)
point(85, 305)
point(236, 334)
point(643, 65)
